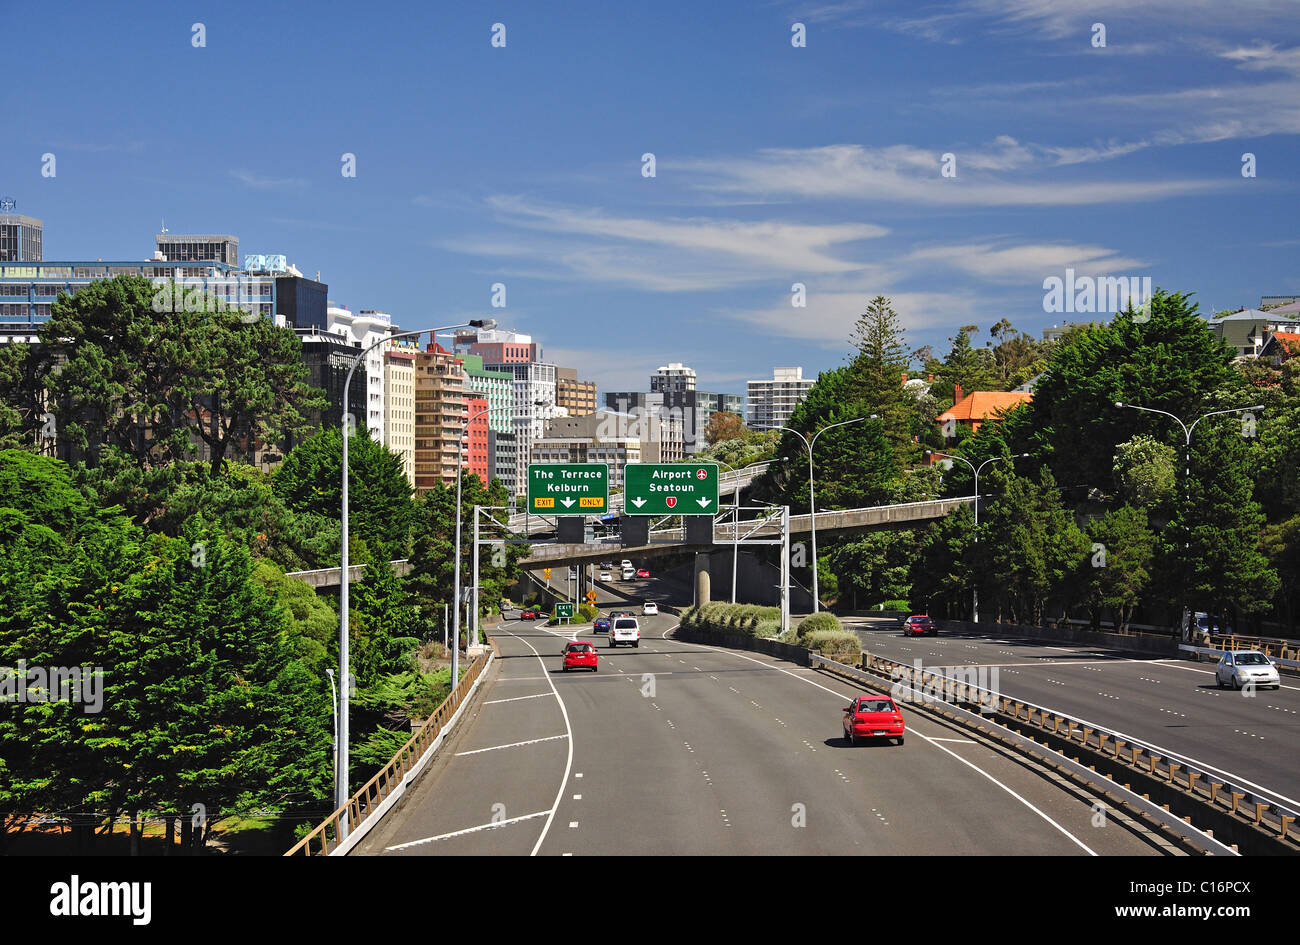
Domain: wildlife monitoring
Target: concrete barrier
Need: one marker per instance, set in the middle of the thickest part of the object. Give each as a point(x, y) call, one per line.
point(1145, 644)
point(742, 641)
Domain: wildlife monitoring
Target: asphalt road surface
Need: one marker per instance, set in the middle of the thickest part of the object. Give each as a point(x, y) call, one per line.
point(1173, 703)
point(674, 748)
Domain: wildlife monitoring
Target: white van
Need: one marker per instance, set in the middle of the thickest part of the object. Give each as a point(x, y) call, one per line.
point(625, 630)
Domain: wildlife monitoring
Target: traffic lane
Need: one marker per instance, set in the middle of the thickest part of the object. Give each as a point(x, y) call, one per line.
point(1171, 703)
point(494, 801)
point(738, 745)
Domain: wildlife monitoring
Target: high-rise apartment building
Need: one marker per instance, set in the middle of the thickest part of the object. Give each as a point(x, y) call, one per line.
point(610, 438)
point(534, 404)
point(477, 455)
point(20, 238)
point(439, 416)
point(399, 402)
point(578, 398)
point(673, 394)
point(772, 402)
point(189, 247)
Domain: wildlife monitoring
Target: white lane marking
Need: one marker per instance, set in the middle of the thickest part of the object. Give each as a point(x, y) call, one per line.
point(577, 797)
point(947, 751)
point(461, 833)
point(568, 763)
point(573, 825)
point(1022, 800)
point(531, 741)
point(540, 695)
point(960, 741)
point(578, 775)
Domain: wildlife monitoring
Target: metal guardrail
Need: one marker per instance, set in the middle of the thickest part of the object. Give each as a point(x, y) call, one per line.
point(1141, 754)
point(1266, 645)
point(328, 836)
point(1170, 821)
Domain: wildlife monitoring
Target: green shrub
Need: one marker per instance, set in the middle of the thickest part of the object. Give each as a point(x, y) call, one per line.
point(768, 628)
point(588, 612)
point(818, 621)
point(840, 645)
point(896, 605)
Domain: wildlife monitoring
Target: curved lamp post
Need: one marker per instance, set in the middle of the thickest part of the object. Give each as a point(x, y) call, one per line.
point(341, 768)
point(812, 496)
point(975, 588)
point(455, 626)
point(1187, 453)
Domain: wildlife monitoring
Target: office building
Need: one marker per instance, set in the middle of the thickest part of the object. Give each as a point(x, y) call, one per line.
point(504, 455)
point(497, 345)
point(20, 238)
point(577, 398)
point(772, 402)
point(28, 291)
point(329, 356)
point(674, 395)
point(188, 247)
point(534, 403)
point(497, 387)
point(611, 438)
point(365, 328)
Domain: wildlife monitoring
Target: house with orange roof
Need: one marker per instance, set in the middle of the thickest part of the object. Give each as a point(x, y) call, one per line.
point(974, 408)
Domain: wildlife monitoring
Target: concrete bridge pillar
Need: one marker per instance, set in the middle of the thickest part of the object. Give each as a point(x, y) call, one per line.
point(702, 578)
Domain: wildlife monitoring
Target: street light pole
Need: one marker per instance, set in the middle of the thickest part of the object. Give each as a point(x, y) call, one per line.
point(341, 767)
point(456, 602)
point(812, 495)
point(1187, 457)
point(975, 587)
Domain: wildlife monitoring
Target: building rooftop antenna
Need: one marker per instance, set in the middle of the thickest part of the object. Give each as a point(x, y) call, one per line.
point(164, 227)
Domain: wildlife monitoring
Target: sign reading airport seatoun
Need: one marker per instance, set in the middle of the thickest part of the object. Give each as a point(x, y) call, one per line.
point(568, 488)
point(670, 488)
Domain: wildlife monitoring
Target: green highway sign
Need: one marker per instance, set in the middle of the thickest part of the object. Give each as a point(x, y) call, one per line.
point(568, 488)
point(670, 488)
point(564, 611)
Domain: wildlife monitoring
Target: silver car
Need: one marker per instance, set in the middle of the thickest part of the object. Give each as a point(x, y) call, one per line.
point(1238, 667)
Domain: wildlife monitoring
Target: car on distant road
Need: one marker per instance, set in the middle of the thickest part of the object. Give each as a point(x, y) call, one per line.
point(620, 613)
point(1238, 668)
point(642, 573)
point(625, 563)
point(600, 625)
point(919, 625)
point(581, 656)
point(872, 717)
point(605, 576)
point(649, 609)
point(531, 613)
point(628, 573)
point(625, 630)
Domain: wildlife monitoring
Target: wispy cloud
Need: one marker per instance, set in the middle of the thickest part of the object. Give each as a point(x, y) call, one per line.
point(1029, 263)
point(907, 174)
point(258, 182)
point(668, 254)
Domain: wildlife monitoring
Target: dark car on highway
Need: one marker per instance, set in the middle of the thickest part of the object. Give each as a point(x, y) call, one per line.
point(919, 625)
point(600, 625)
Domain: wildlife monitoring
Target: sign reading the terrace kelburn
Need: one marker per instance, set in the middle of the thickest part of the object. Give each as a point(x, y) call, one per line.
point(670, 488)
point(568, 488)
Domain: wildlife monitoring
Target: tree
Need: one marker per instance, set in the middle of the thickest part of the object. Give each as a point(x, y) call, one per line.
point(940, 572)
point(724, 425)
point(876, 374)
point(379, 495)
point(151, 379)
point(971, 368)
point(1117, 573)
point(1170, 362)
point(1029, 547)
point(1145, 471)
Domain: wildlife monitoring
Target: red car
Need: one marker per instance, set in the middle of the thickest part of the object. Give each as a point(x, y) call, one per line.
point(531, 613)
point(919, 625)
point(642, 573)
point(580, 655)
point(872, 717)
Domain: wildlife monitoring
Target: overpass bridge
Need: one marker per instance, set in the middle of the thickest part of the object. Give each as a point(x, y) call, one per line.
point(668, 541)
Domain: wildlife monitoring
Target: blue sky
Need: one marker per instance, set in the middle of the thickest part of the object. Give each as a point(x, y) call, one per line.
point(774, 164)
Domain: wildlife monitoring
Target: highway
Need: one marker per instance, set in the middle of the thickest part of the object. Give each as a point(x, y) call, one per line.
point(1171, 702)
point(675, 748)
